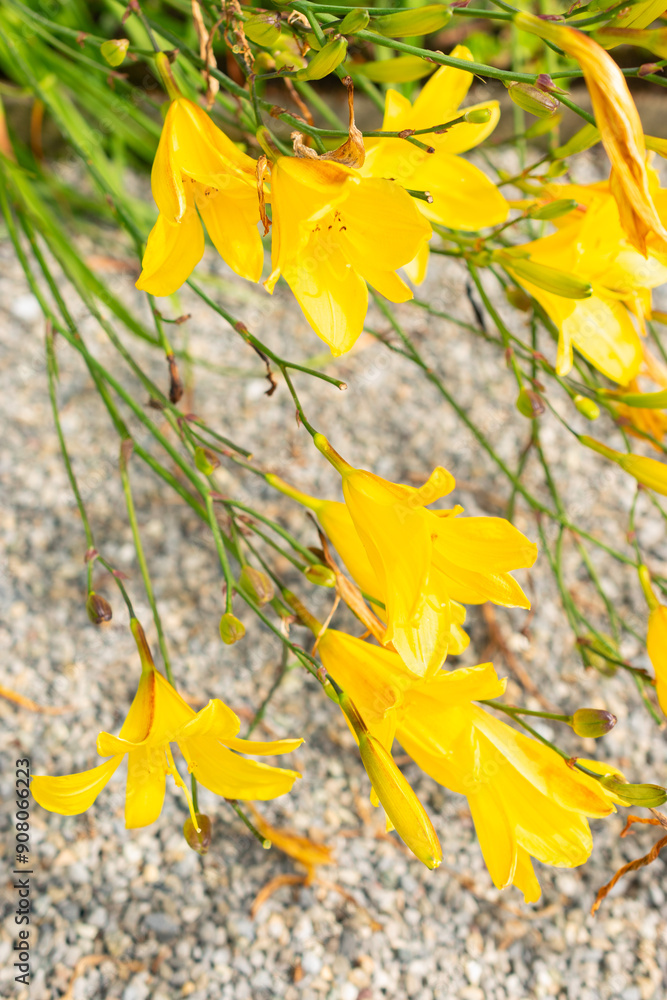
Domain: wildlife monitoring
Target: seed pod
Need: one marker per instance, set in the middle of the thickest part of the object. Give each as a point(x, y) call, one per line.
point(263, 29)
point(98, 608)
point(649, 796)
point(529, 404)
point(206, 461)
point(554, 210)
point(533, 100)
point(320, 575)
point(587, 407)
point(114, 50)
point(420, 21)
point(231, 629)
point(355, 21)
point(593, 722)
point(325, 61)
point(519, 299)
point(258, 584)
point(403, 69)
point(199, 842)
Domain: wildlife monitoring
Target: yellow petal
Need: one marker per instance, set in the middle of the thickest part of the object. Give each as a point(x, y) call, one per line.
point(71, 794)
point(484, 543)
point(416, 269)
point(463, 196)
point(601, 330)
point(261, 748)
point(656, 646)
point(202, 149)
point(333, 297)
point(166, 181)
point(173, 251)
point(496, 837)
point(231, 219)
point(215, 720)
point(387, 283)
point(525, 878)
point(339, 526)
point(467, 135)
point(146, 782)
point(445, 91)
point(384, 228)
point(373, 677)
point(396, 111)
point(225, 773)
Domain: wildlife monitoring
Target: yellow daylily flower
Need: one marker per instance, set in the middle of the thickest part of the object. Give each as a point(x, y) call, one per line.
point(421, 564)
point(591, 244)
point(199, 175)
point(620, 127)
point(524, 799)
point(656, 637)
point(463, 196)
point(157, 717)
point(333, 231)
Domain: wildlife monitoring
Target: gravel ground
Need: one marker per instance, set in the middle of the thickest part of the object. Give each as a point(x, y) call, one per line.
point(133, 915)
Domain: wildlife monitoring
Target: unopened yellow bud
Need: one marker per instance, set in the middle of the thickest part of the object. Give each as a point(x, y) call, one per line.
point(549, 278)
point(587, 407)
point(647, 471)
point(231, 629)
point(403, 808)
point(257, 583)
point(404, 69)
point(420, 21)
point(592, 722)
point(323, 576)
point(533, 100)
point(263, 29)
point(114, 50)
point(657, 145)
point(98, 608)
point(206, 461)
point(644, 400)
point(355, 21)
point(325, 61)
point(649, 796)
point(554, 210)
point(198, 841)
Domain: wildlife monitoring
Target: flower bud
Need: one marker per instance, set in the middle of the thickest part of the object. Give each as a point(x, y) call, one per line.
point(206, 461)
point(355, 21)
point(557, 168)
point(478, 116)
point(263, 29)
point(231, 629)
point(114, 51)
point(587, 407)
point(325, 61)
point(554, 209)
point(529, 404)
point(258, 585)
point(656, 145)
point(549, 278)
point(320, 575)
point(592, 722)
point(586, 137)
point(420, 21)
point(647, 471)
point(649, 796)
point(199, 842)
point(403, 808)
point(519, 299)
point(593, 653)
point(98, 608)
point(403, 69)
point(533, 100)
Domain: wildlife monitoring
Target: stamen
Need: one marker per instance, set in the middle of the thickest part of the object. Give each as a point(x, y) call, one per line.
point(178, 781)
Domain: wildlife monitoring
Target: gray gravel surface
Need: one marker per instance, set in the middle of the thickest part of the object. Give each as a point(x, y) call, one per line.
point(137, 914)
